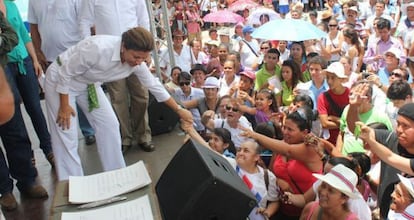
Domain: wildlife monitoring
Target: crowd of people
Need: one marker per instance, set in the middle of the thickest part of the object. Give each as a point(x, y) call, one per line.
point(320, 129)
point(312, 104)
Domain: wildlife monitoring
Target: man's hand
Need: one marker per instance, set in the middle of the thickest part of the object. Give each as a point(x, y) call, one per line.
point(41, 58)
point(64, 115)
point(359, 94)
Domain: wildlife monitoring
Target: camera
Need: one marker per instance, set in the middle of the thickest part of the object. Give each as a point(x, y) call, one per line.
point(365, 75)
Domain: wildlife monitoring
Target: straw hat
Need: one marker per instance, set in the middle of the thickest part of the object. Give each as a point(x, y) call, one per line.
point(341, 178)
point(326, 14)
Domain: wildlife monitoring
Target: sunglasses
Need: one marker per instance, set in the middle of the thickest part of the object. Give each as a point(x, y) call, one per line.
point(264, 48)
point(399, 75)
point(184, 83)
point(228, 108)
point(333, 25)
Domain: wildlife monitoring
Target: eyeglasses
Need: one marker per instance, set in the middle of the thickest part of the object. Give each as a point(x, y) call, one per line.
point(399, 75)
point(228, 108)
point(184, 83)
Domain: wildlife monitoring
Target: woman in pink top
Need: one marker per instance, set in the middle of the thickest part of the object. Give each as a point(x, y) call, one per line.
point(194, 23)
point(337, 187)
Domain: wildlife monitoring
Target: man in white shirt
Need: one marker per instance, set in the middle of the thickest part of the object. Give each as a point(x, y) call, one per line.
point(182, 54)
point(50, 42)
point(73, 78)
point(128, 97)
point(248, 49)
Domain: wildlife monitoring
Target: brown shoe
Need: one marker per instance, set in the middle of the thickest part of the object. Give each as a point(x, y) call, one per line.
point(51, 158)
point(8, 202)
point(36, 191)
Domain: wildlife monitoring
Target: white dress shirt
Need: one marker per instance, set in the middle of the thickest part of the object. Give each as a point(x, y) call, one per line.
point(113, 17)
point(57, 22)
point(97, 59)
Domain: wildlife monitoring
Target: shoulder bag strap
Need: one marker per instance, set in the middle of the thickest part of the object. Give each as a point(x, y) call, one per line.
point(266, 178)
point(333, 104)
point(247, 43)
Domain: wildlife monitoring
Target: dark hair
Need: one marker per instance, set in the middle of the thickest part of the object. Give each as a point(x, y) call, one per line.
point(274, 51)
point(318, 60)
point(269, 129)
point(302, 46)
point(303, 118)
point(306, 99)
point(364, 81)
point(378, 125)
point(324, 24)
point(313, 13)
point(225, 135)
point(364, 162)
point(399, 90)
point(271, 96)
point(344, 161)
point(176, 68)
point(184, 76)
point(264, 16)
point(383, 24)
point(212, 30)
point(235, 53)
point(296, 72)
point(352, 34)
point(138, 39)
point(220, 100)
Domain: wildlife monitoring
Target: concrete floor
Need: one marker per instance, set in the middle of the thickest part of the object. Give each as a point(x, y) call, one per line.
point(166, 147)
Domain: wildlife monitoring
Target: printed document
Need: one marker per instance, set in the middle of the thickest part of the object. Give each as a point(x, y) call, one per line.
point(85, 189)
point(137, 209)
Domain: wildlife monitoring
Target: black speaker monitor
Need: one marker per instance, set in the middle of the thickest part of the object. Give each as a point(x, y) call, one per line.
point(200, 184)
point(161, 118)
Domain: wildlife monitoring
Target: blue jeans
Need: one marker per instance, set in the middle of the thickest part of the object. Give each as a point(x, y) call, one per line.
point(84, 125)
point(28, 87)
point(18, 149)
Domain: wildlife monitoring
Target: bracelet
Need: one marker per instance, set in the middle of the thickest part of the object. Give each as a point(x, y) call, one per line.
point(380, 85)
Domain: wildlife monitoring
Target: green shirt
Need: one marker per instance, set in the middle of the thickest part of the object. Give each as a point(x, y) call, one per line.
point(355, 145)
point(8, 39)
point(262, 75)
point(287, 94)
point(19, 52)
point(306, 76)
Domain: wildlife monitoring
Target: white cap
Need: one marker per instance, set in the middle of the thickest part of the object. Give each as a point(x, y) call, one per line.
point(395, 51)
point(211, 82)
point(336, 68)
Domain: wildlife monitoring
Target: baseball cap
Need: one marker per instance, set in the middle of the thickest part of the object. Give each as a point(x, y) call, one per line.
point(336, 68)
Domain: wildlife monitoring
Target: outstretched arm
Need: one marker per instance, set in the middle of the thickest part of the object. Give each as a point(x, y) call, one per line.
point(401, 163)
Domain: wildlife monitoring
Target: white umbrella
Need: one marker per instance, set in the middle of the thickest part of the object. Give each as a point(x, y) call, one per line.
point(289, 30)
point(254, 17)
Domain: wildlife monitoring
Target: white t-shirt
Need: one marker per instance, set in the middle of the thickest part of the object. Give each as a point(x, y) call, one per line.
point(235, 132)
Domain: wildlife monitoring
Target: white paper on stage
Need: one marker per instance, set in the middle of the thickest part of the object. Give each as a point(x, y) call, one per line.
point(85, 189)
point(137, 209)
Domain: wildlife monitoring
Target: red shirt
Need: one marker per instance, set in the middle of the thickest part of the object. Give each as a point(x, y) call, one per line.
point(325, 108)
